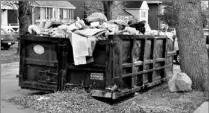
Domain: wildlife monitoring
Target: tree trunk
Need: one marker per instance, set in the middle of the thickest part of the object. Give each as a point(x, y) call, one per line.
point(193, 52)
point(25, 18)
point(108, 8)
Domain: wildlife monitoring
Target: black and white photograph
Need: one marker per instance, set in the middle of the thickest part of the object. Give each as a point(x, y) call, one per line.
point(95, 56)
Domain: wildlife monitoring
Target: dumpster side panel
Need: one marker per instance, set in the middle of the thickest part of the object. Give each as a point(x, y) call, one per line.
point(39, 58)
point(91, 75)
point(121, 65)
point(140, 62)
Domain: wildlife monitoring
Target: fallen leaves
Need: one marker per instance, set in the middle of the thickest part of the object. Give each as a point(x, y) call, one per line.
point(157, 100)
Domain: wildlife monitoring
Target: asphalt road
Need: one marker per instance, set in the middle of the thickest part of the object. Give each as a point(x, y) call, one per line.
point(10, 88)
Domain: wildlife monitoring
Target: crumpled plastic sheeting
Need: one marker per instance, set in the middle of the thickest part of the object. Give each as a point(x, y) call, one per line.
point(180, 82)
point(96, 17)
point(34, 29)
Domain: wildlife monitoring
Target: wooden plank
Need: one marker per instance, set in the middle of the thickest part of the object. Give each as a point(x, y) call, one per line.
point(106, 42)
point(136, 63)
point(146, 71)
point(160, 59)
point(154, 59)
point(148, 61)
point(109, 68)
point(144, 58)
point(124, 92)
point(36, 62)
point(74, 68)
point(94, 65)
point(166, 47)
point(120, 63)
point(171, 53)
point(110, 71)
point(38, 86)
point(101, 93)
point(139, 37)
point(134, 78)
point(166, 57)
point(43, 39)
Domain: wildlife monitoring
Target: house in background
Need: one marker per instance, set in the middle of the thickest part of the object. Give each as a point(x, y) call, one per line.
point(41, 11)
point(9, 14)
point(61, 10)
point(143, 10)
point(48, 10)
point(155, 8)
point(139, 9)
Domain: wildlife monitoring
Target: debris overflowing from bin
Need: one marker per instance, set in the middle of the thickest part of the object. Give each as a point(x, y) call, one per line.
point(88, 31)
point(94, 21)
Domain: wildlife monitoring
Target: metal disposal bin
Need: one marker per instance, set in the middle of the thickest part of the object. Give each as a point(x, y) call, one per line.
point(123, 64)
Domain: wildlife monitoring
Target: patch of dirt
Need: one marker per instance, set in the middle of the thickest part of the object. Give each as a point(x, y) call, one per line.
point(157, 100)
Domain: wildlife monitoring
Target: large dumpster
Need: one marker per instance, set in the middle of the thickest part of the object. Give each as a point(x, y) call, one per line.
point(122, 64)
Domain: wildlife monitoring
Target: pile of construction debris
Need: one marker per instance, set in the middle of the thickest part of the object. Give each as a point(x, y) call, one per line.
point(95, 24)
point(88, 31)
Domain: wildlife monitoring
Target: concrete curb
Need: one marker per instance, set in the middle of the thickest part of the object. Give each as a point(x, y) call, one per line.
point(10, 64)
point(203, 108)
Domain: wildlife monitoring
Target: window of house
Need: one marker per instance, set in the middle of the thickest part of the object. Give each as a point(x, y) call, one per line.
point(71, 15)
point(55, 15)
point(48, 13)
point(43, 15)
point(61, 13)
point(143, 14)
point(37, 15)
point(68, 13)
point(12, 17)
point(65, 13)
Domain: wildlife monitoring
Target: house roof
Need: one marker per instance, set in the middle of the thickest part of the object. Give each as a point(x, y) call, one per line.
point(133, 4)
point(124, 13)
point(154, 2)
point(60, 4)
point(8, 5)
point(136, 5)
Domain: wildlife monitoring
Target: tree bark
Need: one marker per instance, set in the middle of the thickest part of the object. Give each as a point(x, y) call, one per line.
point(193, 52)
point(108, 8)
point(25, 18)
